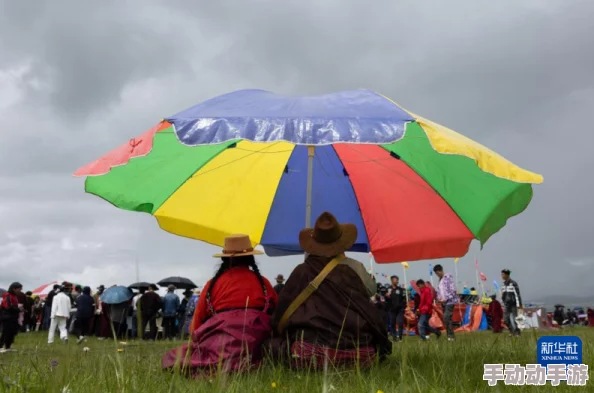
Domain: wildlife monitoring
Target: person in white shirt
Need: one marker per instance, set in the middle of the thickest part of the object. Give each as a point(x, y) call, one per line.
point(61, 307)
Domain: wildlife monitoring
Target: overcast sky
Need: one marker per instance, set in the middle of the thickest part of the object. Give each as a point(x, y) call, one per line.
point(79, 78)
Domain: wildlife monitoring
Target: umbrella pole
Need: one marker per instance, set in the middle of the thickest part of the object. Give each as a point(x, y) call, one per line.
point(457, 291)
point(310, 158)
point(406, 294)
point(456, 272)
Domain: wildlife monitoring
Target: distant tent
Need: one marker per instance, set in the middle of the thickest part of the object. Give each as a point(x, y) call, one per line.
point(466, 319)
point(535, 318)
point(410, 320)
point(484, 324)
point(458, 314)
point(477, 319)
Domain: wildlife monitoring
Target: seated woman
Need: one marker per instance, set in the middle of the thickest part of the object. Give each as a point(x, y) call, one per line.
point(324, 312)
point(232, 318)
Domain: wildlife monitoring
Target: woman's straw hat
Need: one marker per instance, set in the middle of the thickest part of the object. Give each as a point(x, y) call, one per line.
point(237, 246)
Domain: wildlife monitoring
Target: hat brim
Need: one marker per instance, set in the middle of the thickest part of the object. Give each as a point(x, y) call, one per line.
point(241, 254)
point(344, 243)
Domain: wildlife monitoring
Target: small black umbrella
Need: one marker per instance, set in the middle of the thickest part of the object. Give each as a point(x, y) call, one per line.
point(179, 282)
point(139, 285)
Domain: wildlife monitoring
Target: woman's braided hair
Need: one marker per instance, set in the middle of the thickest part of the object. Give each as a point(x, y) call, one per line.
point(228, 263)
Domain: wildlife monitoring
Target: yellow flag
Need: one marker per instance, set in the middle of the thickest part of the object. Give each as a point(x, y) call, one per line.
point(456, 260)
point(405, 265)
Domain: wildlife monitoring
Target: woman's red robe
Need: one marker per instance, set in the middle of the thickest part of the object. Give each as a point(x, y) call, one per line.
point(496, 313)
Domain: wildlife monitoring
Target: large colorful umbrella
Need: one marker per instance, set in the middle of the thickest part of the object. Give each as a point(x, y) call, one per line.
point(262, 164)
point(45, 289)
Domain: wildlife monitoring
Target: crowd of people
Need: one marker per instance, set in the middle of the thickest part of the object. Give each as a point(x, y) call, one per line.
point(71, 309)
point(568, 317)
point(393, 300)
point(322, 311)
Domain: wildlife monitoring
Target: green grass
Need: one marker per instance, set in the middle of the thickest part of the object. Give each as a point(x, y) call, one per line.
point(434, 366)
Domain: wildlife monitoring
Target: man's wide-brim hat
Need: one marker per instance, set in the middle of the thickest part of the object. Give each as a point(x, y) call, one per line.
point(237, 246)
point(328, 238)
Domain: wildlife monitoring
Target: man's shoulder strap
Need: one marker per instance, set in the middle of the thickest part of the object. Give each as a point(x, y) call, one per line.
point(307, 291)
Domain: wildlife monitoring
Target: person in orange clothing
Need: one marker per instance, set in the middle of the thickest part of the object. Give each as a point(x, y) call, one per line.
point(232, 317)
point(425, 311)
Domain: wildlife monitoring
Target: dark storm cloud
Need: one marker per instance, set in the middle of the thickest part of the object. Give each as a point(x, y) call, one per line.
point(87, 53)
point(77, 80)
point(422, 55)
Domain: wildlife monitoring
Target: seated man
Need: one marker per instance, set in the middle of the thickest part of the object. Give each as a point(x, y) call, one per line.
point(324, 310)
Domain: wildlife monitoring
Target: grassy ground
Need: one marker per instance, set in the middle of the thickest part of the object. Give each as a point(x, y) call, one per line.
point(434, 366)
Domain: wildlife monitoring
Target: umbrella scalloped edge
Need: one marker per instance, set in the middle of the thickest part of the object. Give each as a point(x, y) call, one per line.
point(447, 141)
point(136, 147)
point(442, 139)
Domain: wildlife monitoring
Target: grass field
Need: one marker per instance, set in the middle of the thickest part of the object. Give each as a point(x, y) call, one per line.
point(434, 366)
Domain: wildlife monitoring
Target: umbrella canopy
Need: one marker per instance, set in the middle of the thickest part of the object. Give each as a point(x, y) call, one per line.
point(139, 285)
point(45, 289)
point(179, 282)
point(262, 164)
point(116, 295)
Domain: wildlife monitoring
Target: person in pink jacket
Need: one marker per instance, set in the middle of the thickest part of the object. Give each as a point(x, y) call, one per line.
point(447, 296)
